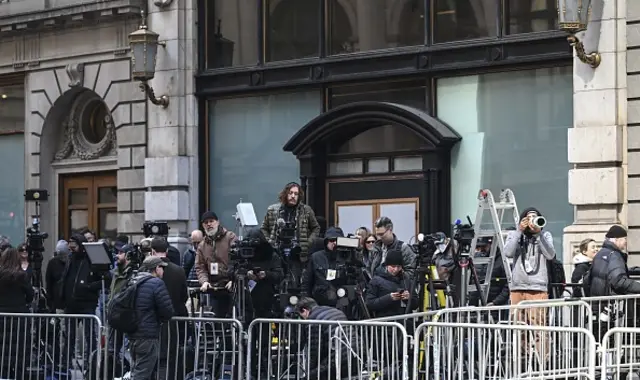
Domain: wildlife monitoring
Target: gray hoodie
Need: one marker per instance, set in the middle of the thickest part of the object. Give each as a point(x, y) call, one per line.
point(529, 271)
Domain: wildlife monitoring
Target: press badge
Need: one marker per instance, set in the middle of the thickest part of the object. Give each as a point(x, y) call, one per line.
point(331, 274)
point(214, 269)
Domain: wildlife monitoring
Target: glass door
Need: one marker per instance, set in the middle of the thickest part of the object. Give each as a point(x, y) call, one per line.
point(350, 215)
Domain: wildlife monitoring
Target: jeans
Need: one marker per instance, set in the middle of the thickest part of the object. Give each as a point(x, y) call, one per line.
point(144, 354)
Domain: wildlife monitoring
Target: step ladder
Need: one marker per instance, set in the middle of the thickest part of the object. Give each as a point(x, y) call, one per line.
point(504, 214)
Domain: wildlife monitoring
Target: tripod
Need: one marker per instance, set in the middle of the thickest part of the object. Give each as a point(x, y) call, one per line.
point(423, 276)
point(466, 265)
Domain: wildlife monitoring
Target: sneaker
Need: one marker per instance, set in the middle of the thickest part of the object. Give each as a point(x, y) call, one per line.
point(126, 376)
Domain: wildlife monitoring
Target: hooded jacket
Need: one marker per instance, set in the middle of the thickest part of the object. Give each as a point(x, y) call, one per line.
point(325, 272)
point(582, 264)
point(80, 286)
point(378, 294)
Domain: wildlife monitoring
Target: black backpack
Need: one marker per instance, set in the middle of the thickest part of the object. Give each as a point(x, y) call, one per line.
point(121, 310)
point(585, 283)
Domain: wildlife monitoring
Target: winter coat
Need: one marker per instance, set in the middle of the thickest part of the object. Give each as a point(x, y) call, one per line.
point(379, 253)
point(53, 275)
point(176, 283)
point(121, 274)
point(582, 265)
point(378, 294)
point(79, 286)
point(15, 293)
point(153, 307)
point(307, 226)
point(322, 337)
point(262, 294)
point(609, 273)
point(214, 251)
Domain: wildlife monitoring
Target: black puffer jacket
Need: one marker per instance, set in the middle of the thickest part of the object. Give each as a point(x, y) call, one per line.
point(322, 337)
point(378, 294)
point(583, 264)
point(609, 273)
point(153, 307)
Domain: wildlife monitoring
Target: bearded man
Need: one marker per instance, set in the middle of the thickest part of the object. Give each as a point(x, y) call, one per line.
point(212, 264)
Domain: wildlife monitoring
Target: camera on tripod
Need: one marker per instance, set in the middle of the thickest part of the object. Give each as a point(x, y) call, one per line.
point(244, 249)
point(286, 238)
point(134, 255)
point(35, 237)
point(426, 246)
point(463, 234)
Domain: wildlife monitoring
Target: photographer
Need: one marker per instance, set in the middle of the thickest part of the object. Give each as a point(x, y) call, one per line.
point(292, 212)
point(328, 270)
point(387, 241)
point(212, 263)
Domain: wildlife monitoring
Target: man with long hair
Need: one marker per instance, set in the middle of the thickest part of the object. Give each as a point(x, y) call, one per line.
point(290, 211)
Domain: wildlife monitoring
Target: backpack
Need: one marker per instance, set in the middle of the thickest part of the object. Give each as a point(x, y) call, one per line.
point(585, 283)
point(121, 310)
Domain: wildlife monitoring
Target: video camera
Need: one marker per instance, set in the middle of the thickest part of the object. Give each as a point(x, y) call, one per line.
point(426, 246)
point(155, 228)
point(463, 234)
point(244, 249)
point(135, 255)
point(286, 238)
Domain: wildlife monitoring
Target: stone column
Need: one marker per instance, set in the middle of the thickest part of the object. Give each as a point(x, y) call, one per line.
point(633, 128)
point(372, 30)
point(596, 141)
point(171, 166)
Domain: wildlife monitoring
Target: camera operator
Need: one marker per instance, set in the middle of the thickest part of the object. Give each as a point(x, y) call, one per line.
point(212, 263)
point(264, 272)
point(290, 211)
point(387, 241)
point(498, 288)
point(53, 275)
point(328, 270)
point(79, 292)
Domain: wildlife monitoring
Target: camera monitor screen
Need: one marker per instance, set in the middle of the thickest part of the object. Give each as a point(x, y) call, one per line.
point(98, 255)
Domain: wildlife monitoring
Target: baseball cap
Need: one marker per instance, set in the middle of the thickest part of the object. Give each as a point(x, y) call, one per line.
point(152, 262)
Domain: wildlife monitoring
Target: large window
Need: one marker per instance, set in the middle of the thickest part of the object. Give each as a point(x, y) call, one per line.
point(246, 157)
point(514, 135)
point(232, 33)
point(12, 107)
point(253, 32)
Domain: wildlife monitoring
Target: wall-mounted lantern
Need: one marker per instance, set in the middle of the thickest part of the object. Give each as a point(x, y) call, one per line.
point(144, 47)
point(573, 17)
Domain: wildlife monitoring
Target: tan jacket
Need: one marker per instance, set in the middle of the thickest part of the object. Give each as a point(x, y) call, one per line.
point(214, 252)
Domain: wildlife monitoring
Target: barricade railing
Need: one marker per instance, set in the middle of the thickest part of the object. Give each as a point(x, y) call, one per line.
point(49, 346)
point(196, 348)
point(409, 321)
point(606, 312)
point(498, 351)
point(620, 354)
point(312, 349)
point(568, 313)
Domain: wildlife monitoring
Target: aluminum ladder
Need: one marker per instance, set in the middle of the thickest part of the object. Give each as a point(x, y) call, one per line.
point(505, 207)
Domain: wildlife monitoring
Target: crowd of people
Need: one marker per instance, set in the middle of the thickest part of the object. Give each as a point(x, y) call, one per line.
point(382, 270)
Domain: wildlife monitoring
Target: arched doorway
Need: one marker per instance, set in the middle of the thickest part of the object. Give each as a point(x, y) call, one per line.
point(367, 159)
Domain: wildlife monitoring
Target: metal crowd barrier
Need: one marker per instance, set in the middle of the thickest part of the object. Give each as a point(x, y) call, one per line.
point(50, 346)
point(196, 348)
point(497, 351)
point(620, 354)
point(301, 349)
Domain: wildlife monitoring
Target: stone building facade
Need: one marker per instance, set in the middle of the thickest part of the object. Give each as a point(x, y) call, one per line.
point(86, 122)
point(108, 157)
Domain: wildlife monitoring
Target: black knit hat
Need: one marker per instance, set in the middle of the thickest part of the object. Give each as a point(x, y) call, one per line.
point(615, 232)
point(208, 215)
point(394, 257)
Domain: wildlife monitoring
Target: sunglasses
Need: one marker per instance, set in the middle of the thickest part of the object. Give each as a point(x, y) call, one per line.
point(370, 241)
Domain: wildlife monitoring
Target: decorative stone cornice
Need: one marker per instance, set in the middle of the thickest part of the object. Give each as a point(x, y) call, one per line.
point(34, 16)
